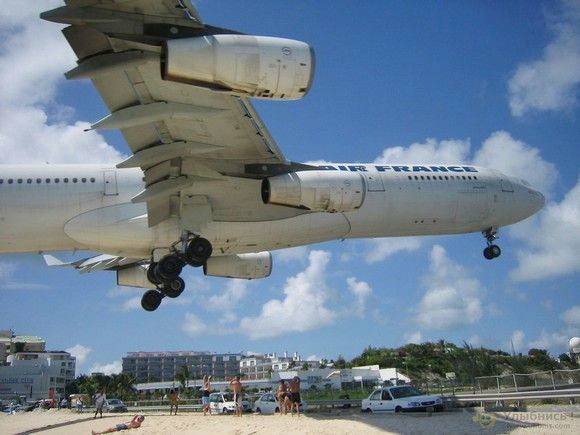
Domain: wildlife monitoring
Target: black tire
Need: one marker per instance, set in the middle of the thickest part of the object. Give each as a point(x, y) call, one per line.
point(277, 410)
point(151, 300)
point(495, 251)
point(398, 409)
point(258, 410)
point(174, 288)
point(224, 411)
point(198, 251)
point(368, 410)
point(488, 254)
point(169, 268)
point(152, 275)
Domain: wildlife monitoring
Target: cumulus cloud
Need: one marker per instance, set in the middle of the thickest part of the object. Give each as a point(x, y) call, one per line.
point(552, 249)
point(550, 83)
point(453, 297)
point(414, 337)
point(299, 253)
point(361, 291)
point(33, 127)
point(234, 292)
point(557, 341)
point(80, 352)
point(572, 316)
point(193, 325)
point(111, 368)
point(303, 308)
point(517, 340)
point(380, 249)
point(430, 151)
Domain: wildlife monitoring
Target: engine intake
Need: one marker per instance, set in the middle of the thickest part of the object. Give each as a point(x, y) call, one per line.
point(316, 190)
point(257, 66)
point(245, 266)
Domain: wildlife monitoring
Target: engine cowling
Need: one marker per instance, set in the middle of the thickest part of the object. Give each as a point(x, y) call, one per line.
point(328, 191)
point(257, 66)
point(246, 266)
point(134, 276)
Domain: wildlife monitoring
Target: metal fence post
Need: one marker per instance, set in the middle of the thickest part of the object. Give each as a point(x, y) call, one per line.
point(553, 380)
point(498, 387)
point(515, 381)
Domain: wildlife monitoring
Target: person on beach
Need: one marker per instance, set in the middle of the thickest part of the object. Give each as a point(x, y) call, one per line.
point(295, 395)
point(237, 389)
point(133, 424)
point(282, 397)
point(173, 401)
point(100, 399)
point(206, 389)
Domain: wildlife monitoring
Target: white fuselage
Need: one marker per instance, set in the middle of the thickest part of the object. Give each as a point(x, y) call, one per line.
point(66, 207)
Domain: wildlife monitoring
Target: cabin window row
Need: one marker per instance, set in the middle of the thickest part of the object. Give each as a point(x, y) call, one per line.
point(47, 180)
point(443, 177)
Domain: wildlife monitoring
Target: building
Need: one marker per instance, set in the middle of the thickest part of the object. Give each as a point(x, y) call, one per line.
point(263, 366)
point(164, 366)
point(11, 344)
point(36, 375)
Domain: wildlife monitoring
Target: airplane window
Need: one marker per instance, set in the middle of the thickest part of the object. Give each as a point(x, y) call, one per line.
point(20, 181)
point(463, 176)
point(47, 181)
point(1, 181)
point(65, 180)
point(422, 178)
point(74, 180)
point(416, 178)
point(57, 180)
point(474, 177)
point(410, 178)
point(468, 177)
point(446, 177)
point(92, 180)
point(29, 181)
point(440, 177)
point(84, 180)
point(428, 178)
point(10, 181)
point(452, 177)
point(38, 181)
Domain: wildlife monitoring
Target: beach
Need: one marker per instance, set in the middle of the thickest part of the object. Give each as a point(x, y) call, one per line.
point(337, 422)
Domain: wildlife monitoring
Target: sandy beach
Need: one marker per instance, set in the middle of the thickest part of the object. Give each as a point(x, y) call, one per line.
point(339, 422)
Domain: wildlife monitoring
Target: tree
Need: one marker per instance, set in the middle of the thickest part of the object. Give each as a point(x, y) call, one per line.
point(305, 366)
point(183, 376)
point(340, 362)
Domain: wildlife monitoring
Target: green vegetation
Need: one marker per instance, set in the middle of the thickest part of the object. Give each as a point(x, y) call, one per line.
point(118, 386)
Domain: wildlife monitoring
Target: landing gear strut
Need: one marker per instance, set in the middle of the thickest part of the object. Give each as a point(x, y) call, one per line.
point(165, 273)
point(492, 250)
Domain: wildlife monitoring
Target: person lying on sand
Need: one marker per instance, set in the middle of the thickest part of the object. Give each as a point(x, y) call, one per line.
point(133, 424)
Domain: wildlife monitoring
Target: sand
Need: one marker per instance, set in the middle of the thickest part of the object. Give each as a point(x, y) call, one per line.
point(338, 422)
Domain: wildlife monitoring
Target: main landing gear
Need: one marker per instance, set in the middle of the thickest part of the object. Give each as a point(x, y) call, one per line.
point(492, 250)
point(165, 273)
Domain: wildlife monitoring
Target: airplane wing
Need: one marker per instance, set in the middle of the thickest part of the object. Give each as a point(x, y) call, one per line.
point(93, 264)
point(179, 133)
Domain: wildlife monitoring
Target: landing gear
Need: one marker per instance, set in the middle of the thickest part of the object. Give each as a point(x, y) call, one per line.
point(198, 251)
point(151, 300)
point(165, 273)
point(491, 251)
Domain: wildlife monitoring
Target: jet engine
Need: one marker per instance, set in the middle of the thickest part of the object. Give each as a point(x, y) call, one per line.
point(328, 191)
point(134, 276)
point(246, 266)
point(256, 66)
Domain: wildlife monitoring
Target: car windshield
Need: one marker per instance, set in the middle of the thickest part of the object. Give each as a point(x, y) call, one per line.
point(228, 397)
point(113, 401)
point(400, 392)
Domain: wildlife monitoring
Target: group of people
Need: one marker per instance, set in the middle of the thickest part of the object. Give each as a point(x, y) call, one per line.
point(289, 396)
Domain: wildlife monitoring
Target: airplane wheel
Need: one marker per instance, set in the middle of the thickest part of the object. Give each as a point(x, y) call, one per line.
point(152, 275)
point(151, 300)
point(198, 251)
point(488, 254)
point(169, 267)
point(174, 288)
point(495, 251)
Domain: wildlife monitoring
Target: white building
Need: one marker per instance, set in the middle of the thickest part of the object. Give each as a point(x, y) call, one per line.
point(36, 375)
point(263, 366)
point(10, 344)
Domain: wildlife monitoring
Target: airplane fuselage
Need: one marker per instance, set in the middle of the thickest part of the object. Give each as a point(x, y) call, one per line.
point(88, 207)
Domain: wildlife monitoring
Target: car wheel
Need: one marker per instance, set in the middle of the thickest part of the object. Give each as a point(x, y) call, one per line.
point(258, 410)
point(224, 411)
point(277, 410)
point(368, 410)
point(398, 409)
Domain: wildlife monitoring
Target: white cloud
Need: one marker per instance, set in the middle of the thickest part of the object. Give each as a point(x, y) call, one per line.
point(235, 291)
point(361, 290)
point(193, 325)
point(551, 82)
point(431, 151)
point(517, 340)
point(475, 340)
point(80, 352)
point(572, 316)
point(111, 368)
point(515, 158)
point(298, 253)
point(552, 248)
point(414, 337)
point(33, 128)
point(556, 341)
point(453, 297)
point(380, 249)
point(313, 358)
point(303, 307)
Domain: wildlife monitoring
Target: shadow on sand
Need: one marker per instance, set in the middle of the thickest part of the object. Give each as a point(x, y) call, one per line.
point(64, 423)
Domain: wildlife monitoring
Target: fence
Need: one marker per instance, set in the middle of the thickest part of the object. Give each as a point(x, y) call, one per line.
point(554, 379)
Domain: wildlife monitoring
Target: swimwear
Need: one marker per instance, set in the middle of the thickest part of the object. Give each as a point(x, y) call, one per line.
point(295, 397)
point(122, 426)
point(205, 400)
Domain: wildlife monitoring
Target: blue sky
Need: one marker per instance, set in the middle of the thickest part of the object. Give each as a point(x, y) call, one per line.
point(397, 80)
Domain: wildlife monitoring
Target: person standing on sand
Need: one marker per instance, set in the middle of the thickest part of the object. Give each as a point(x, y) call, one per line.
point(295, 395)
point(100, 399)
point(237, 389)
point(282, 396)
point(205, 394)
point(133, 424)
point(173, 401)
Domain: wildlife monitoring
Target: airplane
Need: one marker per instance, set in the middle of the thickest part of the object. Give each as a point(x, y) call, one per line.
point(206, 184)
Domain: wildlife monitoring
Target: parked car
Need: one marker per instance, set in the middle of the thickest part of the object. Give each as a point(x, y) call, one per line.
point(115, 405)
point(401, 399)
point(223, 403)
point(267, 404)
